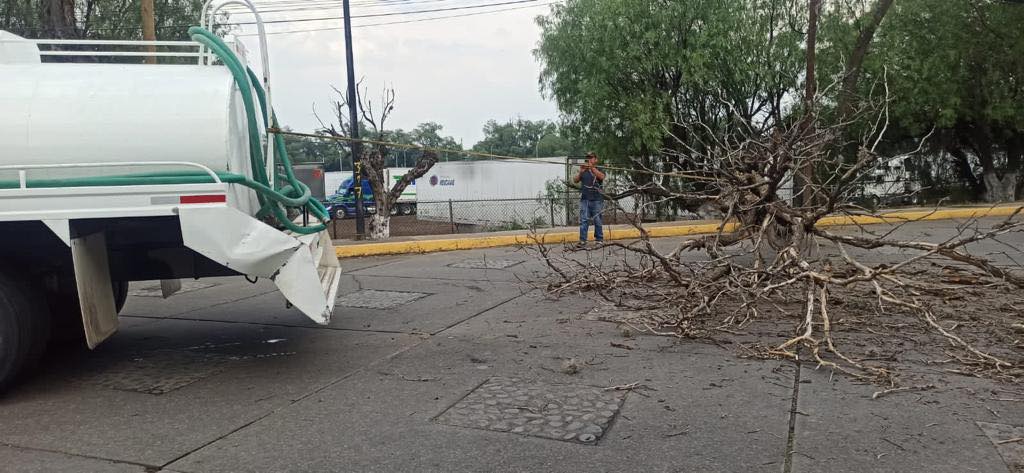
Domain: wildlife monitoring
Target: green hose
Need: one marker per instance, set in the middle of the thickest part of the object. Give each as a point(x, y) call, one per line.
point(291, 194)
point(246, 81)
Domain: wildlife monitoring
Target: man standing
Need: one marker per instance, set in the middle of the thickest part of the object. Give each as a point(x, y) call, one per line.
point(590, 178)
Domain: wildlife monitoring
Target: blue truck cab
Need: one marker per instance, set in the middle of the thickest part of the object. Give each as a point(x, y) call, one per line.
point(342, 203)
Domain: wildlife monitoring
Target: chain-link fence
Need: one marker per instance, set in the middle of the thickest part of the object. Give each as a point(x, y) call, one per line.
point(491, 215)
point(563, 210)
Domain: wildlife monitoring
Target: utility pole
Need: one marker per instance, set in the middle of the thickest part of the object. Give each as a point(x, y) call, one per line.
point(149, 28)
point(353, 119)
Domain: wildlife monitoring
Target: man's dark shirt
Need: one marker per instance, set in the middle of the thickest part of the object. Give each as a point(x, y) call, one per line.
point(590, 186)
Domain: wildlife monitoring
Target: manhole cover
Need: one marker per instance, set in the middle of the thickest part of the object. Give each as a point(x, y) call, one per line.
point(572, 413)
point(158, 372)
point(152, 288)
point(484, 264)
point(1009, 442)
point(373, 299)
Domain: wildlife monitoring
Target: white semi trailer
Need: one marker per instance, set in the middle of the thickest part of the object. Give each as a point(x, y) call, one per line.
point(491, 192)
point(111, 173)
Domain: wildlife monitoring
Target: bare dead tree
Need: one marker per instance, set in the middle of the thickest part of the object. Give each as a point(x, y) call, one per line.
point(375, 154)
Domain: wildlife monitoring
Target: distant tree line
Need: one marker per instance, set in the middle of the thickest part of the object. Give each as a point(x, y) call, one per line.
point(97, 19)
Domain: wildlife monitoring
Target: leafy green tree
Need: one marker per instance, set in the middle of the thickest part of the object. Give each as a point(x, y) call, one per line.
point(556, 145)
point(648, 83)
point(425, 134)
point(525, 138)
point(333, 154)
point(955, 67)
point(649, 79)
point(97, 19)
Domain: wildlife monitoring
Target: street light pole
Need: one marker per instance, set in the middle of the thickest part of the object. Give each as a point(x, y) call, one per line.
point(353, 118)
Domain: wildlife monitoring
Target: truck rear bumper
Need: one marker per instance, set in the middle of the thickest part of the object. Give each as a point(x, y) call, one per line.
point(304, 267)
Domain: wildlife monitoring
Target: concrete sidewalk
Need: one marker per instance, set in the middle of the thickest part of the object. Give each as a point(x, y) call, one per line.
point(560, 235)
point(452, 362)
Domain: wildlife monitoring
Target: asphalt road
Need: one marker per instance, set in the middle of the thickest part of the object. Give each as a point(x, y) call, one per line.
point(453, 362)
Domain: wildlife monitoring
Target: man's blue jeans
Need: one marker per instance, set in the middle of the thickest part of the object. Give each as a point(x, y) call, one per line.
point(591, 210)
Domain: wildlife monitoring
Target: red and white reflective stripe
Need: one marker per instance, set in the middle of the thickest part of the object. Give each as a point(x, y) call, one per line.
point(204, 199)
point(188, 199)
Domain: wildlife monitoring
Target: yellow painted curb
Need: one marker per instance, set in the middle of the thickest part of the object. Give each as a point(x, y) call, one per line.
point(919, 215)
point(449, 244)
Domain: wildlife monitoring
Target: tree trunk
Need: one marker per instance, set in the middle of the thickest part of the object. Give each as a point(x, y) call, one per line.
point(385, 198)
point(380, 222)
point(1014, 162)
point(811, 85)
point(60, 14)
point(380, 225)
point(981, 139)
point(804, 178)
point(851, 75)
point(1000, 190)
point(963, 166)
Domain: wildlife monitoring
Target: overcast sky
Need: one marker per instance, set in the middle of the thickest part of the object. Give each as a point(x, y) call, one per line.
point(458, 72)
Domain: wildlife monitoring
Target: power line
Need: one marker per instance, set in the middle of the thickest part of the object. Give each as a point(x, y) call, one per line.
point(479, 154)
point(327, 5)
point(374, 15)
point(183, 27)
point(446, 17)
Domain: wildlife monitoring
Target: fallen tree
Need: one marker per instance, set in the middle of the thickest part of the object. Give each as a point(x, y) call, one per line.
point(773, 178)
point(771, 260)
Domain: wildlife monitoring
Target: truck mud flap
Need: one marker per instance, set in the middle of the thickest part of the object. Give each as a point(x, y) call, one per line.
point(304, 268)
point(95, 291)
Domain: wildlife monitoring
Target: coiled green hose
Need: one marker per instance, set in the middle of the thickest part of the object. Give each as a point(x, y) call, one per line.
point(292, 194)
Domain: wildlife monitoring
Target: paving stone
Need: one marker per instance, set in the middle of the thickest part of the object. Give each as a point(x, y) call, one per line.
point(541, 411)
point(374, 299)
point(156, 372)
point(1008, 442)
point(485, 263)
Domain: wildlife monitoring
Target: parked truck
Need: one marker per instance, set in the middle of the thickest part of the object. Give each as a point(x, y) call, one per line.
point(342, 201)
point(888, 184)
point(113, 173)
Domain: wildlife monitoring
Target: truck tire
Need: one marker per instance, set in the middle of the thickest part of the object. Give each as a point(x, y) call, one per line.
point(404, 209)
point(24, 329)
point(875, 202)
point(66, 313)
point(120, 294)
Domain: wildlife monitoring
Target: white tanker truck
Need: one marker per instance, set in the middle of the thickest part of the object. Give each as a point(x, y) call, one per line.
point(112, 173)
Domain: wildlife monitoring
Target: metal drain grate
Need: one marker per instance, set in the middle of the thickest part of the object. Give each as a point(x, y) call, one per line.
point(158, 372)
point(374, 299)
point(565, 412)
point(486, 263)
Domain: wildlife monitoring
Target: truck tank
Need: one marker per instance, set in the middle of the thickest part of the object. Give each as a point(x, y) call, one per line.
point(66, 113)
